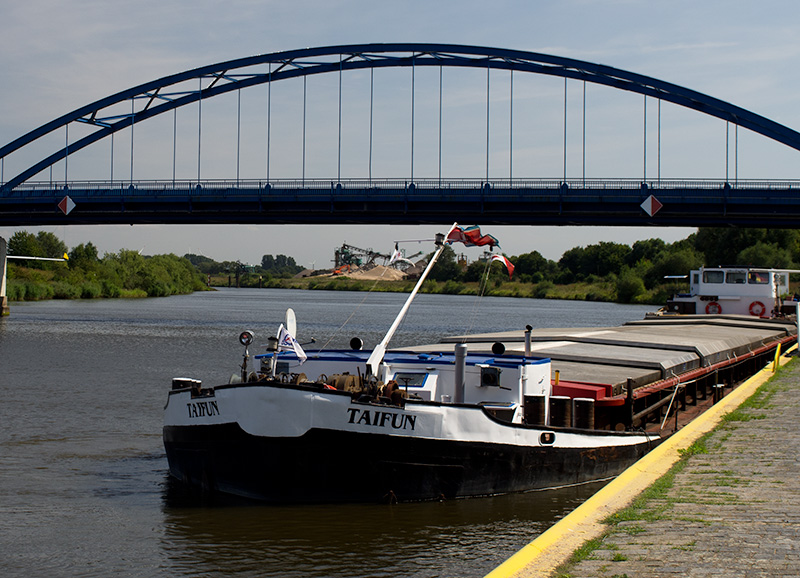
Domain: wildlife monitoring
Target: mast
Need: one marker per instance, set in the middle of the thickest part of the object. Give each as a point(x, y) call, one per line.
point(377, 354)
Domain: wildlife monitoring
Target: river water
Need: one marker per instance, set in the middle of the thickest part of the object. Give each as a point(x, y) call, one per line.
point(84, 489)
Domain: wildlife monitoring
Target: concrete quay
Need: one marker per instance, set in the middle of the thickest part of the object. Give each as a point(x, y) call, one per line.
point(729, 507)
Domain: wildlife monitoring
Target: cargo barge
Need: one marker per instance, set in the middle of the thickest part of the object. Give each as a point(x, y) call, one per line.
point(536, 409)
point(472, 415)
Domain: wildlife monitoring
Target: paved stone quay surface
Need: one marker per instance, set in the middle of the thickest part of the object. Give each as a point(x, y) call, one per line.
point(732, 511)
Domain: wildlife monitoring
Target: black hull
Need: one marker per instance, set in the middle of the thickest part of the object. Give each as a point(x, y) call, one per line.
point(337, 466)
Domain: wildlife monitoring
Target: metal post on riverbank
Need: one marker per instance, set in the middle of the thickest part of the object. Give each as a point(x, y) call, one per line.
point(4, 310)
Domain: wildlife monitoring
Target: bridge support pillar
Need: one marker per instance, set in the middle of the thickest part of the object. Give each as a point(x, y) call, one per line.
point(4, 310)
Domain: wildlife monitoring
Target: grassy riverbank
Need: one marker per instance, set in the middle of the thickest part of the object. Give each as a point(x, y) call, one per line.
point(597, 290)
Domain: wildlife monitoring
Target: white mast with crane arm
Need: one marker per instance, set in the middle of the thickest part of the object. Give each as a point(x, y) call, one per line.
point(377, 354)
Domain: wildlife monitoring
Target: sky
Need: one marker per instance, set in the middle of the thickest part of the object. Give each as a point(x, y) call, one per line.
point(57, 56)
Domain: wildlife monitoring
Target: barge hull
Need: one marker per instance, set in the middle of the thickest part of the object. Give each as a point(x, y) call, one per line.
point(339, 466)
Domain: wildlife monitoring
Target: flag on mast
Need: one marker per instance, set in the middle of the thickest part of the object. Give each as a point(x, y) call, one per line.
point(287, 342)
point(509, 265)
point(471, 237)
point(398, 256)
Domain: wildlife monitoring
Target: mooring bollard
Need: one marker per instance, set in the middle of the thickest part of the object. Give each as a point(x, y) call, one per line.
point(560, 411)
point(583, 413)
point(535, 410)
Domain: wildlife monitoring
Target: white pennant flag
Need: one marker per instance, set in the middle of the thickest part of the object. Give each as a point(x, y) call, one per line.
point(395, 255)
point(398, 256)
point(286, 342)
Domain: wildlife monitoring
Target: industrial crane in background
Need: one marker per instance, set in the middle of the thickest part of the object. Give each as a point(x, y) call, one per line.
point(350, 255)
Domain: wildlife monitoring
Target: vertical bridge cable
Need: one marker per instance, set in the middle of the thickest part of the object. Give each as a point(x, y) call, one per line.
point(727, 141)
point(440, 125)
point(511, 130)
point(269, 114)
point(112, 164)
point(199, 125)
point(339, 165)
point(304, 131)
point(583, 146)
point(488, 72)
point(66, 151)
point(413, 70)
point(565, 129)
point(736, 154)
point(644, 139)
point(659, 143)
point(371, 104)
point(238, 132)
point(174, 144)
point(132, 124)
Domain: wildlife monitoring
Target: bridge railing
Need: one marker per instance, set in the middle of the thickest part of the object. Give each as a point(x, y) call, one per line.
point(169, 187)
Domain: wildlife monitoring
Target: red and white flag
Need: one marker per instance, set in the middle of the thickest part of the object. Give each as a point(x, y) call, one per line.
point(509, 265)
point(471, 237)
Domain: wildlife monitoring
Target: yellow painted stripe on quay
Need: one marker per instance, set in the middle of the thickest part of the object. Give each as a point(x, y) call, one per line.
point(541, 557)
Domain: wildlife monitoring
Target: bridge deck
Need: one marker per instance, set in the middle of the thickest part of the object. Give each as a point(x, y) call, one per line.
point(509, 202)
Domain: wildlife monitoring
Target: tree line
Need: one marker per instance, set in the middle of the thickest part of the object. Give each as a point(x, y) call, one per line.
point(606, 270)
point(86, 275)
point(280, 266)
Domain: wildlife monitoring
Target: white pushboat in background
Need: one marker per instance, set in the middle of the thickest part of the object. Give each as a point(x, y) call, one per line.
point(750, 291)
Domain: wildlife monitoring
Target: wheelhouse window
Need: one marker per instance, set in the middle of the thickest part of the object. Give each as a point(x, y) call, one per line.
point(713, 276)
point(735, 277)
point(758, 277)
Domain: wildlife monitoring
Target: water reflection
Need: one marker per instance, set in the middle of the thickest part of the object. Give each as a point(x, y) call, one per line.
point(456, 538)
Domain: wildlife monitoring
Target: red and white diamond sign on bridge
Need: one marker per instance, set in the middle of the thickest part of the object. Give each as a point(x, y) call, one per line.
point(651, 205)
point(66, 205)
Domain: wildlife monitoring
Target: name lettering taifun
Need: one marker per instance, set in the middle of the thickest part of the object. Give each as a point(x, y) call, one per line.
point(202, 409)
point(384, 419)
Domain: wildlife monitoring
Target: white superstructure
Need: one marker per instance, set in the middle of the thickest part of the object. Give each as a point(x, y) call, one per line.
point(733, 290)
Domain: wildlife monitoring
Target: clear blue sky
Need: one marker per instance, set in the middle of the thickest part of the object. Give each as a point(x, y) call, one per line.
point(56, 56)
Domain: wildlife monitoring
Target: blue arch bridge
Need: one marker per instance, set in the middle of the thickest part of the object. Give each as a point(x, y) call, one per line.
point(410, 199)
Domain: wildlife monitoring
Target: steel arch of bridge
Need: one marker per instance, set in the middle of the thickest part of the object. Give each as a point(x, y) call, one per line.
point(154, 97)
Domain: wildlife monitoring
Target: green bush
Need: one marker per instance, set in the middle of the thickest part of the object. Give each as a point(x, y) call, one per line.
point(15, 290)
point(542, 289)
point(629, 287)
point(38, 291)
point(64, 290)
point(132, 293)
point(91, 290)
point(451, 287)
point(109, 289)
